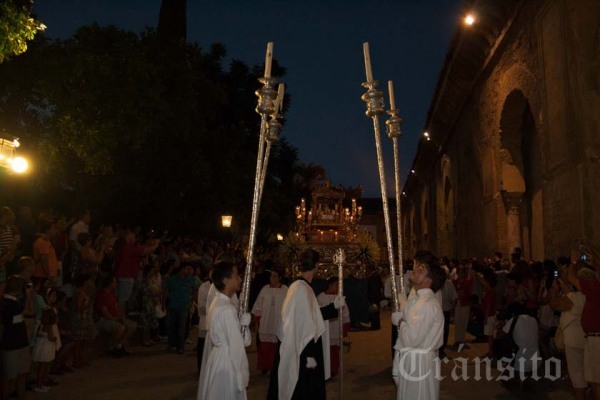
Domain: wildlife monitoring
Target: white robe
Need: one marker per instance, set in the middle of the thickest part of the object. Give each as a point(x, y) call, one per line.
point(225, 375)
point(419, 338)
point(212, 294)
point(268, 306)
point(301, 322)
point(202, 307)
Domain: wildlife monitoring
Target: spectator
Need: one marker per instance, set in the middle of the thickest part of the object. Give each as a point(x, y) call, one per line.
point(9, 239)
point(375, 294)
point(44, 255)
point(81, 226)
point(589, 284)
point(27, 230)
point(150, 298)
point(82, 322)
point(129, 264)
point(112, 321)
point(488, 304)
point(16, 357)
point(449, 299)
point(178, 294)
point(90, 258)
point(463, 285)
point(525, 336)
point(59, 366)
point(44, 350)
point(570, 303)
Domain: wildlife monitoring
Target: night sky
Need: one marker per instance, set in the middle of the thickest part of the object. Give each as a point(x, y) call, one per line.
point(320, 44)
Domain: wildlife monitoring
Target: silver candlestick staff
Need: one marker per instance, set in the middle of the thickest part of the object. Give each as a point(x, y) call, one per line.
point(272, 136)
point(394, 133)
point(339, 259)
point(266, 107)
point(375, 107)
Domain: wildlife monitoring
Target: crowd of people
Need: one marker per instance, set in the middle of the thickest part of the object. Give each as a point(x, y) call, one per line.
point(527, 312)
point(67, 290)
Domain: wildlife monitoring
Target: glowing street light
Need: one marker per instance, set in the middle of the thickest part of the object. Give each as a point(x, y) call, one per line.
point(8, 158)
point(469, 19)
point(279, 237)
point(226, 221)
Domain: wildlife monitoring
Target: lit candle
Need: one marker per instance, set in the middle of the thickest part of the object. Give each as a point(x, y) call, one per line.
point(268, 60)
point(391, 93)
point(336, 236)
point(367, 62)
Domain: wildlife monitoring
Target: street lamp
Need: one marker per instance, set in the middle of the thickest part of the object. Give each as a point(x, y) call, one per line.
point(8, 159)
point(226, 221)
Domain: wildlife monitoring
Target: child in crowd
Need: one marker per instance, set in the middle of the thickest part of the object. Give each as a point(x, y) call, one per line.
point(67, 348)
point(45, 348)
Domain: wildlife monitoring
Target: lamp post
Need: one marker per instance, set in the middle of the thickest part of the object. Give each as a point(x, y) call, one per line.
point(226, 221)
point(8, 158)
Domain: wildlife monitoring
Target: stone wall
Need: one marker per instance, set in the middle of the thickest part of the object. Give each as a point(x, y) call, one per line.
point(521, 153)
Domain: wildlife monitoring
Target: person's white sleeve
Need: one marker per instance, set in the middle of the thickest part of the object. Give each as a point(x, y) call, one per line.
point(396, 317)
point(245, 319)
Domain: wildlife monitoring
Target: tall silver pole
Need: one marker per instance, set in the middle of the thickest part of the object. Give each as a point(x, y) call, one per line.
point(266, 106)
point(394, 133)
point(375, 107)
point(340, 258)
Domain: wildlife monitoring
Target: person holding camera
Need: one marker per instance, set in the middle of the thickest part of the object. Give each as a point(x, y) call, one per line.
point(589, 283)
point(565, 297)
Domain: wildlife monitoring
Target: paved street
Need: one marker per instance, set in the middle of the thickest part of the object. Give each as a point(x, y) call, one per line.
point(151, 373)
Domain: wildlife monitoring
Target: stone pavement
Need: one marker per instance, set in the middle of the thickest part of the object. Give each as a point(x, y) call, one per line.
point(153, 374)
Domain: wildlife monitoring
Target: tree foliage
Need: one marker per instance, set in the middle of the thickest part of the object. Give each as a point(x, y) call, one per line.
point(142, 132)
point(16, 27)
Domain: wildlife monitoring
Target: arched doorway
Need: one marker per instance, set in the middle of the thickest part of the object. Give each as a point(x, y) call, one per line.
point(520, 145)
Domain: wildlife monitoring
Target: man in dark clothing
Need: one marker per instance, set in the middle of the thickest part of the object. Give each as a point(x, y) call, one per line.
point(376, 295)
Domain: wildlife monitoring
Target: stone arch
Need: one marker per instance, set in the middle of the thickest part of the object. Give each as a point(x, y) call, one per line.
point(522, 175)
point(445, 208)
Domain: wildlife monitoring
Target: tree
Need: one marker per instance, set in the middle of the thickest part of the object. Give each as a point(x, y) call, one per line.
point(142, 132)
point(16, 27)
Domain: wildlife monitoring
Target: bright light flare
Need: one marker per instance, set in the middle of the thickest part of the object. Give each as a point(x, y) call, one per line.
point(469, 19)
point(226, 221)
point(19, 165)
point(279, 237)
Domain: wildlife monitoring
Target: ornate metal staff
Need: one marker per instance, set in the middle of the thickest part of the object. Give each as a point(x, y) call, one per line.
point(272, 136)
point(339, 258)
point(394, 132)
point(375, 107)
point(266, 106)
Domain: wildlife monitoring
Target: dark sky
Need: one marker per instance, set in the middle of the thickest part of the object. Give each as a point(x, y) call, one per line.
point(320, 44)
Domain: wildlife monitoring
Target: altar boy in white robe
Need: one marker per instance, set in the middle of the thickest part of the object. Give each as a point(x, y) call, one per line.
point(225, 375)
point(302, 360)
point(420, 332)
